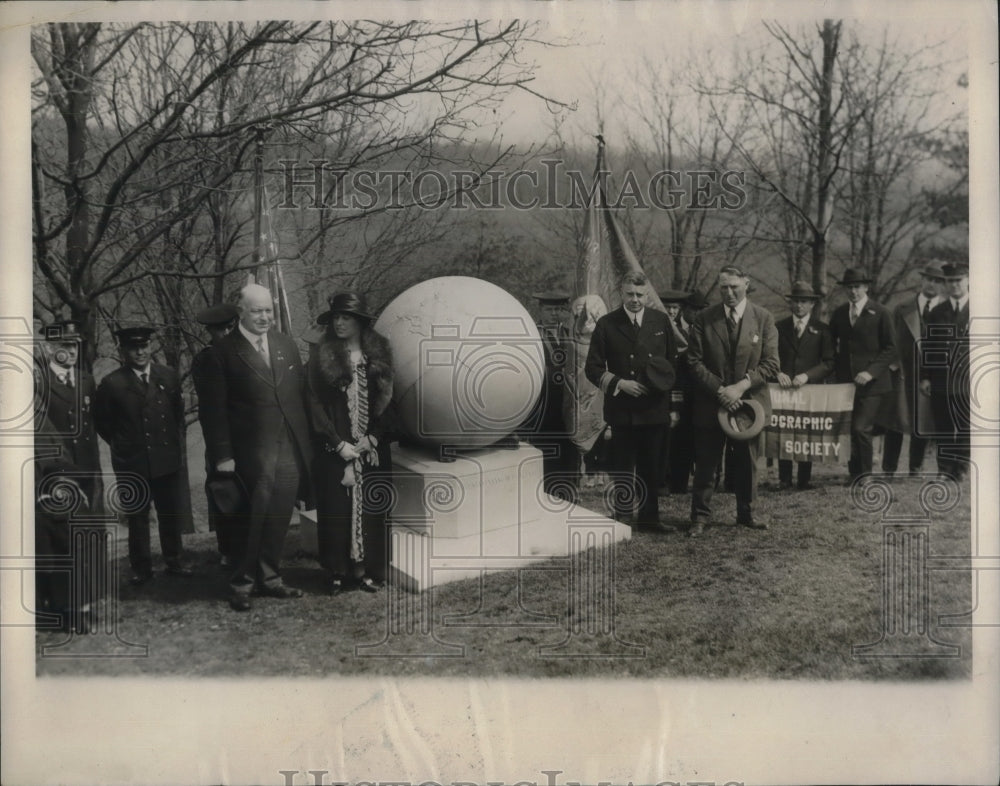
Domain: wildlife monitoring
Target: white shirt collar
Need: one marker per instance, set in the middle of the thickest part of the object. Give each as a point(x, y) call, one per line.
point(140, 371)
point(927, 302)
point(253, 338)
point(60, 372)
point(797, 321)
point(860, 305)
point(960, 301)
point(740, 308)
point(636, 316)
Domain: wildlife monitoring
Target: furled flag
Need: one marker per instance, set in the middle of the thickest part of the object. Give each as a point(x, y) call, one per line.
point(604, 257)
point(268, 272)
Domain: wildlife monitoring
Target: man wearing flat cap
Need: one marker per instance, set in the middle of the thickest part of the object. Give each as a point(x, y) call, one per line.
point(947, 386)
point(912, 410)
point(560, 458)
point(864, 347)
point(733, 354)
point(253, 412)
point(805, 354)
point(631, 359)
point(139, 412)
point(219, 320)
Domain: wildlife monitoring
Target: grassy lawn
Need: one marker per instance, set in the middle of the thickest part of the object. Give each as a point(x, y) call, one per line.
point(788, 602)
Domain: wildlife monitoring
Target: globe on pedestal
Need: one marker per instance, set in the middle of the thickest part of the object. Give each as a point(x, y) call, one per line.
point(469, 363)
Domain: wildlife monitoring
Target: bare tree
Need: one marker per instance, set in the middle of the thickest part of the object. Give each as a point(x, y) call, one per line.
point(142, 137)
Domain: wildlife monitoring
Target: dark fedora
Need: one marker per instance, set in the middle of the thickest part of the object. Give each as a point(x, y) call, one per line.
point(227, 492)
point(955, 269)
point(696, 300)
point(802, 290)
point(855, 275)
point(134, 335)
point(659, 374)
point(219, 314)
point(673, 296)
point(933, 269)
point(345, 303)
point(744, 423)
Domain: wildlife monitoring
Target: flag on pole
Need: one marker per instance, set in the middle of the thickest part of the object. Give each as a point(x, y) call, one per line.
point(605, 255)
point(268, 273)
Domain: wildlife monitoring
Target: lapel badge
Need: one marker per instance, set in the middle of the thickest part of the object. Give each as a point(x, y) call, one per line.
point(812, 330)
point(870, 311)
point(755, 339)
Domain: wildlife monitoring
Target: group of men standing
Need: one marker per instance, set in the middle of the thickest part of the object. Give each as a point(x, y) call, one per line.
point(724, 356)
point(250, 386)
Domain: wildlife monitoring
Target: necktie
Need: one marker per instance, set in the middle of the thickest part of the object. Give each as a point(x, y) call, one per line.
point(145, 378)
point(800, 328)
point(854, 314)
point(731, 321)
point(68, 379)
point(263, 352)
point(635, 324)
point(927, 310)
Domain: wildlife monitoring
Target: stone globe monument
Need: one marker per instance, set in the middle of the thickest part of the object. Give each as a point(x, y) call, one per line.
point(468, 361)
point(469, 368)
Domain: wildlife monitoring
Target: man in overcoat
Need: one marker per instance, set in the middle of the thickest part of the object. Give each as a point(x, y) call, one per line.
point(914, 414)
point(139, 412)
point(732, 353)
point(254, 414)
point(864, 347)
point(627, 345)
point(805, 353)
point(948, 385)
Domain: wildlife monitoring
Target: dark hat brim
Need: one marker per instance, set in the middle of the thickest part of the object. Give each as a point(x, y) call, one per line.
point(745, 423)
point(227, 492)
point(327, 316)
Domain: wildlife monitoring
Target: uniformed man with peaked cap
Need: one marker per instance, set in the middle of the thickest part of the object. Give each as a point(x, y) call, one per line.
point(139, 412)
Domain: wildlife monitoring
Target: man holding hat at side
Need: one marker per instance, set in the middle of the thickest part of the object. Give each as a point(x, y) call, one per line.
point(805, 353)
point(913, 410)
point(631, 359)
point(947, 386)
point(253, 411)
point(863, 349)
point(219, 320)
point(733, 354)
point(139, 412)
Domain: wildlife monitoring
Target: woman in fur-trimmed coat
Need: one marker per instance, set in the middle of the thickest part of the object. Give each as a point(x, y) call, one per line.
point(348, 391)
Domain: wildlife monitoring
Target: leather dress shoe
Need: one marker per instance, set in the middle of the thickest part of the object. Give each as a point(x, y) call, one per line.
point(368, 585)
point(334, 587)
point(657, 526)
point(140, 578)
point(750, 523)
point(240, 601)
point(179, 569)
point(696, 530)
point(279, 591)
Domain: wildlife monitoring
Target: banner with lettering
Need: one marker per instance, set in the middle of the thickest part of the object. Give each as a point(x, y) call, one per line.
point(810, 423)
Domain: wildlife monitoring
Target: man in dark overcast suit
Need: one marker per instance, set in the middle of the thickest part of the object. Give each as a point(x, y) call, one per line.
point(252, 407)
point(623, 345)
point(732, 353)
point(805, 352)
point(863, 349)
point(910, 327)
point(948, 386)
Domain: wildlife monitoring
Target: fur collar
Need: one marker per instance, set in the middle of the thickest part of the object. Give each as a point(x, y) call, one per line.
point(335, 367)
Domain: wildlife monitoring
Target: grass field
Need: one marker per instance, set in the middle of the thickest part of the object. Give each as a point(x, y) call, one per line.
point(788, 602)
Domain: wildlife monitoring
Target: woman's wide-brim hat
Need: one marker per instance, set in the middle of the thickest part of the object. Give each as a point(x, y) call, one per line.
point(745, 422)
point(345, 303)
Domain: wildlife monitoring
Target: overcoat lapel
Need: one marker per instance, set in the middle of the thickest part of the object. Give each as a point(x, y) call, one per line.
point(748, 329)
point(911, 318)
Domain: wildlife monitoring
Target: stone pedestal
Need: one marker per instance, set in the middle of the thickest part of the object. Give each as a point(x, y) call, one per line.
point(485, 511)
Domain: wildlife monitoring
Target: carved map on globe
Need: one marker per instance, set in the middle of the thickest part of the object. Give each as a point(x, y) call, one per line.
point(469, 364)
